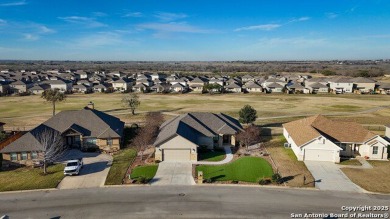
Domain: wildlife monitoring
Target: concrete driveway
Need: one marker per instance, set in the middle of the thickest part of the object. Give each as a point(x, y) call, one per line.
point(173, 173)
point(93, 174)
point(328, 176)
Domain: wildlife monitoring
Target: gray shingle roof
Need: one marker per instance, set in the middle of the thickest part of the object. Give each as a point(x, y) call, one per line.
point(193, 125)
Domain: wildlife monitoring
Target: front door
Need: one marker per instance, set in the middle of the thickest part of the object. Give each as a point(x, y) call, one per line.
point(226, 139)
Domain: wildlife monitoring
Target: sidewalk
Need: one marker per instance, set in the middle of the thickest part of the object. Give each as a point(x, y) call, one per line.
point(228, 158)
point(365, 164)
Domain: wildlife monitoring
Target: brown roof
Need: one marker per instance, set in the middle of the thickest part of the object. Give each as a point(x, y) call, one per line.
point(305, 130)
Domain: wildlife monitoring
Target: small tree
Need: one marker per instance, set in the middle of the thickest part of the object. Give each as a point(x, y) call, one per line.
point(53, 96)
point(250, 135)
point(131, 101)
point(212, 88)
point(52, 145)
point(247, 114)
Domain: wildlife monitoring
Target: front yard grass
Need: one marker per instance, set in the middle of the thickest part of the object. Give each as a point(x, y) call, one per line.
point(246, 169)
point(26, 178)
point(146, 172)
point(120, 164)
point(375, 180)
point(291, 170)
point(212, 156)
point(352, 162)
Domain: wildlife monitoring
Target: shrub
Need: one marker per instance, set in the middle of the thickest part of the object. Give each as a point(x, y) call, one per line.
point(264, 181)
point(142, 180)
point(276, 178)
point(209, 180)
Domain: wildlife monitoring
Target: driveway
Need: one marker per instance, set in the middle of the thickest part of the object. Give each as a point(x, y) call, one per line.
point(93, 174)
point(173, 173)
point(328, 176)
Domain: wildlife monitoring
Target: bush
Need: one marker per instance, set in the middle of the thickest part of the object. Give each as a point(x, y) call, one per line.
point(142, 180)
point(264, 181)
point(276, 178)
point(209, 180)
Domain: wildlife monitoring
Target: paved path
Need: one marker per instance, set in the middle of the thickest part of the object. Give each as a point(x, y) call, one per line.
point(228, 158)
point(93, 174)
point(328, 176)
point(173, 173)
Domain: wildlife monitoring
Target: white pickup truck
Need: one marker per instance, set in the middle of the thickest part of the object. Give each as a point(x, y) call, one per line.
point(73, 167)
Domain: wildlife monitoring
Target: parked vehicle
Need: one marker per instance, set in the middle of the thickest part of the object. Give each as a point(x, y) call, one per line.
point(73, 167)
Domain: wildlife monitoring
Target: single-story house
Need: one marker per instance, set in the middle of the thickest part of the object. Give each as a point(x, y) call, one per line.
point(140, 88)
point(316, 88)
point(233, 88)
point(80, 129)
point(363, 85)
point(252, 86)
point(318, 138)
point(296, 88)
point(180, 137)
point(160, 88)
point(274, 88)
point(81, 88)
point(383, 88)
point(100, 88)
point(179, 88)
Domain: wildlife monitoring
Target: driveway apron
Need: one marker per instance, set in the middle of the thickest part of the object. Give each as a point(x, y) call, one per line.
point(328, 176)
point(173, 173)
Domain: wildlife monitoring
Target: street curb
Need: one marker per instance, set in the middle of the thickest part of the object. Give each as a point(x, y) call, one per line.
point(29, 190)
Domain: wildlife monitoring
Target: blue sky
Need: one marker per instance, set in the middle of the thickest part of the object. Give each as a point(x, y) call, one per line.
point(194, 30)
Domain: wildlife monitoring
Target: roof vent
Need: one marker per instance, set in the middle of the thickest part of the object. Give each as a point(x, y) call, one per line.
point(90, 105)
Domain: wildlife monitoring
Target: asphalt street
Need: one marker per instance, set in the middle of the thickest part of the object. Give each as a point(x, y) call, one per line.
point(181, 202)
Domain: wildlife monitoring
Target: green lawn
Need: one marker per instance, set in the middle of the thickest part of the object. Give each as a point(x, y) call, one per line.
point(147, 172)
point(352, 162)
point(212, 156)
point(247, 169)
point(26, 178)
point(119, 166)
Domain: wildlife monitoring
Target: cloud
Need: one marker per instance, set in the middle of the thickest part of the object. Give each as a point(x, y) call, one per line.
point(99, 14)
point(166, 17)
point(44, 29)
point(30, 37)
point(3, 22)
point(297, 41)
point(133, 14)
point(331, 15)
point(88, 21)
point(181, 27)
point(266, 27)
point(9, 4)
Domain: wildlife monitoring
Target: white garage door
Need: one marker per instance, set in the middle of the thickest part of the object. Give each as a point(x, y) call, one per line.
point(176, 155)
point(319, 155)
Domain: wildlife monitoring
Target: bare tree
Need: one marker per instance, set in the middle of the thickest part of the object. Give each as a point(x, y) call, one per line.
point(131, 101)
point(53, 146)
point(250, 135)
point(147, 134)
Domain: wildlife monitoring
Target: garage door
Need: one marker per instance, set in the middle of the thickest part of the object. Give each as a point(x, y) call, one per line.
point(319, 155)
point(176, 155)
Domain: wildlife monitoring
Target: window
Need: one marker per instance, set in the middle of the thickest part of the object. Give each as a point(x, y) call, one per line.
point(24, 156)
point(323, 141)
point(375, 150)
point(34, 155)
point(109, 141)
point(14, 156)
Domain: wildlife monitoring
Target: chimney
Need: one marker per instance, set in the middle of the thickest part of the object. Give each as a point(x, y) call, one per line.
point(91, 105)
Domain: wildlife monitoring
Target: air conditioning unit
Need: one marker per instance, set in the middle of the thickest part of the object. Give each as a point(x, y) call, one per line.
point(287, 145)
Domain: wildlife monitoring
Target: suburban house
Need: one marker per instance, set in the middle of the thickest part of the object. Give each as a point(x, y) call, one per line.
point(318, 138)
point(316, 88)
point(4, 87)
point(363, 85)
point(197, 84)
point(274, 85)
point(233, 88)
point(60, 85)
point(252, 86)
point(384, 88)
point(80, 129)
point(81, 88)
point(122, 84)
point(141, 87)
point(39, 89)
point(341, 85)
point(100, 88)
point(180, 137)
point(19, 86)
point(179, 88)
point(296, 88)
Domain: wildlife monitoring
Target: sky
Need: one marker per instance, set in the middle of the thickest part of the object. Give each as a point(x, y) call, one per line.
point(185, 30)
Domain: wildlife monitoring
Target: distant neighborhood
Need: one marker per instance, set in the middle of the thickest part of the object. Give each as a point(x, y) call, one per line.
point(79, 81)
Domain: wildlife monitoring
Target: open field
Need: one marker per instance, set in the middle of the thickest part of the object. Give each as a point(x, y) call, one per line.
point(375, 180)
point(26, 112)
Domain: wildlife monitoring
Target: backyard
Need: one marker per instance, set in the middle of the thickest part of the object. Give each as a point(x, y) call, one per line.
point(246, 169)
point(374, 180)
point(292, 171)
point(26, 178)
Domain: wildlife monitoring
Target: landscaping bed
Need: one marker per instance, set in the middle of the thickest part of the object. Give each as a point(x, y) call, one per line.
point(244, 169)
point(25, 178)
point(374, 180)
point(286, 163)
point(120, 164)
